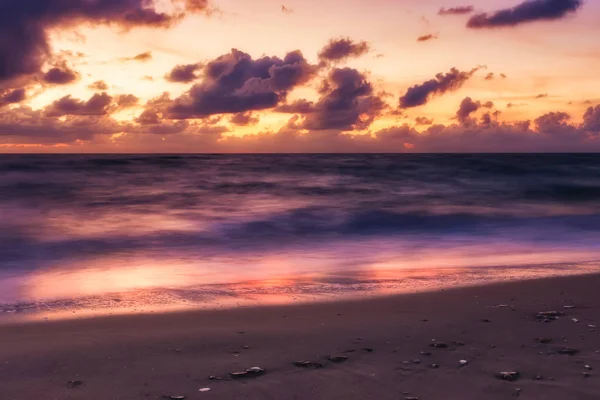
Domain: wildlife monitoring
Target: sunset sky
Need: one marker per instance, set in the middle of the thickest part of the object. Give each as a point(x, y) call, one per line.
point(170, 76)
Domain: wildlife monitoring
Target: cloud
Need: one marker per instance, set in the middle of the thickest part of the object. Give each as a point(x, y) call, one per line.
point(98, 104)
point(419, 95)
point(301, 106)
point(98, 85)
point(22, 125)
point(467, 107)
point(347, 103)
point(490, 76)
point(591, 119)
point(456, 10)
point(423, 121)
point(25, 26)
point(541, 96)
point(126, 100)
point(142, 57)
point(426, 38)
point(341, 49)
point(525, 12)
point(244, 119)
point(12, 97)
point(286, 10)
point(235, 83)
point(183, 73)
point(60, 75)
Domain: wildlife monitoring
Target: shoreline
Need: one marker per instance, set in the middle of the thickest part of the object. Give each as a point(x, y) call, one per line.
point(151, 355)
point(270, 293)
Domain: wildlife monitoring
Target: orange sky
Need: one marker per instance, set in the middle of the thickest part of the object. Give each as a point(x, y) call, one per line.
point(549, 66)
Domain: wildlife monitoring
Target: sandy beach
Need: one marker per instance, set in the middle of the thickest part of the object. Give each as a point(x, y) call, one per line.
point(401, 347)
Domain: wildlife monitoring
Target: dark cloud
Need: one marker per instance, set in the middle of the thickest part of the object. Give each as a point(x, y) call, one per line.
point(286, 10)
point(26, 126)
point(12, 97)
point(244, 119)
point(426, 38)
point(60, 75)
point(126, 100)
point(419, 95)
point(347, 103)
point(591, 119)
point(525, 12)
point(456, 10)
point(98, 85)
point(488, 104)
point(423, 121)
point(541, 96)
point(342, 49)
point(467, 107)
point(490, 76)
point(98, 104)
point(301, 106)
point(235, 83)
point(183, 73)
point(503, 76)
point(24, 26)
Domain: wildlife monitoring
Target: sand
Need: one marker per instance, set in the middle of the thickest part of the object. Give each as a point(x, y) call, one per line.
point(150, 356)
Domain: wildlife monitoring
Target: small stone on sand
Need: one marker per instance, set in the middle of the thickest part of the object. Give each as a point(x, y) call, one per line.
point(439, 345)
point(308, 364)
point(463, 363)
point(337, 359)
point(204, 390)
point(509, 376)
point(568, 351)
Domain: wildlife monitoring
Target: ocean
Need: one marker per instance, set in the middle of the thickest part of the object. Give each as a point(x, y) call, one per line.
point(138, 233)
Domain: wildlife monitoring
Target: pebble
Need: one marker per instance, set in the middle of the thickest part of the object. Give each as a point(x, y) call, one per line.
point(337, 359)
point(463, 362)
point(204, 390)
point(308, 364)
point(509, 376)
point(439, 345)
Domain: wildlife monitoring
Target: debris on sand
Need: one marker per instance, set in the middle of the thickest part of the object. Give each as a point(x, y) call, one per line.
point(568, 307)
point(337, 359)
point(214, 378)
point(425, 353)
point(568, 351)
point(308, 364)
point(574, 320)
point(587, 375)
point(204, 390)
point(589, 368)
point(501, 306)
point(435, 366)
point(250, 372)
point(174, 397)
point(368, 350)
point(463, 363)
point(543, 340)
point(439, 345)
point(411, 398)
point(74, 384)
point(547, 316)
point(509, 376)
point(538, 378)
point(517, 393)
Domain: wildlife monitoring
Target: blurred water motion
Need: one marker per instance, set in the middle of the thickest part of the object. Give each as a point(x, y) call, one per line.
point(195, 230)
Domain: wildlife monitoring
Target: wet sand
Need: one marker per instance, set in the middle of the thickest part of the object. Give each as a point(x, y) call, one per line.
point(387, 342)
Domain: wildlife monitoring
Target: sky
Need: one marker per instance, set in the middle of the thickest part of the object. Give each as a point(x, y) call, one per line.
point(220, 76)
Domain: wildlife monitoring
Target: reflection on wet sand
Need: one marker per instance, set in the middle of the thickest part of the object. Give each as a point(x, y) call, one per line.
point(153, 286)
